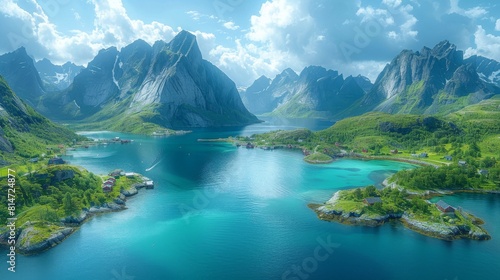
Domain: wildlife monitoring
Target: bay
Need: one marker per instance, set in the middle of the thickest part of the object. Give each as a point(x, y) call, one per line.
point(221, 212)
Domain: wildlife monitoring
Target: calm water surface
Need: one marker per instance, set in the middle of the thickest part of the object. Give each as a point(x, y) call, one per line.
point(219, 212)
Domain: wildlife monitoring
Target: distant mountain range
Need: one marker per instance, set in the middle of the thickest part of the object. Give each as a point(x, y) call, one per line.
point(168, 84)
point(57, 77)
point(316, 92)
point(171, 85)
point(432, 81)
point(165, 85)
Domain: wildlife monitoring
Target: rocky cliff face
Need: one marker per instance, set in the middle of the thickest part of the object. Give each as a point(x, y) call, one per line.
point(431, 81)
point(316, 92)
point(487, 69)
point(56, 77)
point(167, 84)
point(18, 69)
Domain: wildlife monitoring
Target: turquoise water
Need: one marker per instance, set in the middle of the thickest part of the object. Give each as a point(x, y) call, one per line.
point(220, 212)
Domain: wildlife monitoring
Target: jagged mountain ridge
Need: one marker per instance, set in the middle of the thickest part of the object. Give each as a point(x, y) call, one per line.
point(316, 92)
point(168, 84)
point(431, 81)
point(18, 69)
point(56, 77)
point(487, 69)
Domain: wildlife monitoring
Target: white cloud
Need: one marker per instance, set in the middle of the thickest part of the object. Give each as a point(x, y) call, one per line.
point(475, 12)
point(231, 25)
point(194, 14)
point(392, 3)
point(370, 14)
point(487, 45)
point(497, 25)
point(112, 27)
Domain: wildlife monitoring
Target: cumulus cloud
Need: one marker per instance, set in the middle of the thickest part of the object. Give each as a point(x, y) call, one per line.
point(112, 27)
point(487, 45)
point(475, 12)
point(497, 25)
point(231, 25)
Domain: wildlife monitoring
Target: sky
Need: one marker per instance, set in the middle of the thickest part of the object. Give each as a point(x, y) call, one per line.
point(250, 38)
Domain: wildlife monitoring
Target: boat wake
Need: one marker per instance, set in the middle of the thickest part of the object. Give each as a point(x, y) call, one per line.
point(153, 166)
point(155, 162)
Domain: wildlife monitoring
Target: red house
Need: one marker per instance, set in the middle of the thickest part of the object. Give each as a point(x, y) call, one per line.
point(444, 207)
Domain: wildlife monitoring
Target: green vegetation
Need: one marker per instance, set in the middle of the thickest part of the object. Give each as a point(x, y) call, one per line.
point(318, 157)
point(24, 133)
point(452, 177)
point(353, 207)
point(140, 122)
point(57, 191)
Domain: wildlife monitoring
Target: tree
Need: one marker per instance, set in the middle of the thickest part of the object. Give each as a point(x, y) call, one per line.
point(358, 194)
point(370, 191)
point(69, 204)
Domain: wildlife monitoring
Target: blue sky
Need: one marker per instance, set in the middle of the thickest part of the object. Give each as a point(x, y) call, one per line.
point(249, 38)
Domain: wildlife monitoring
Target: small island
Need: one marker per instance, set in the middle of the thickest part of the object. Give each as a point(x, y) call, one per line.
point(57, 199)
point(371, 207)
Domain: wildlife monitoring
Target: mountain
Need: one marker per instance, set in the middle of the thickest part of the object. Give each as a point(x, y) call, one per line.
point(487, 69)
point(18, 69)
point(56, 77)
point(24, 133)
point(431, 81)
point(167, 84)
point(316, 92)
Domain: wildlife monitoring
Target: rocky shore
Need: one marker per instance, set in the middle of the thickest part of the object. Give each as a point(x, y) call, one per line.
point(436, 230)
point(34, 238)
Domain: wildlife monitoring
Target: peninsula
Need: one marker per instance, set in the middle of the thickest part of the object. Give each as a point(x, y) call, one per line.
point(59, 198)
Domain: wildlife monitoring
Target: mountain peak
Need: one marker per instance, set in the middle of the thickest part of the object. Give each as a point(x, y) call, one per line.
point(185, 43)
point(444, 48)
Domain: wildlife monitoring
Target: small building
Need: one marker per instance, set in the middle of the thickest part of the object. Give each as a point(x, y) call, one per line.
point(149, 184)
point(364, 151)
point(300, 140)
point(116, 173)
point(483, 172)
point(462, 163)
point(394, 151)
point(33, 160)
point(444, 207)
point(250, 145)
point(423, 155)
point(129, 174)
point(414, 155)
point(372, 200)
point(112, 180)
point(56, 160)
point(107, 187)
point(448, 158)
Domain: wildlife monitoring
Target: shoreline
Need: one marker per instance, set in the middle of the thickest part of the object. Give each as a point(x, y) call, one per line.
point(65, 228)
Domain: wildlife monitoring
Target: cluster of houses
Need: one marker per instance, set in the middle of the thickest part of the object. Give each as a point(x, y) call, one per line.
point(108, 185)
